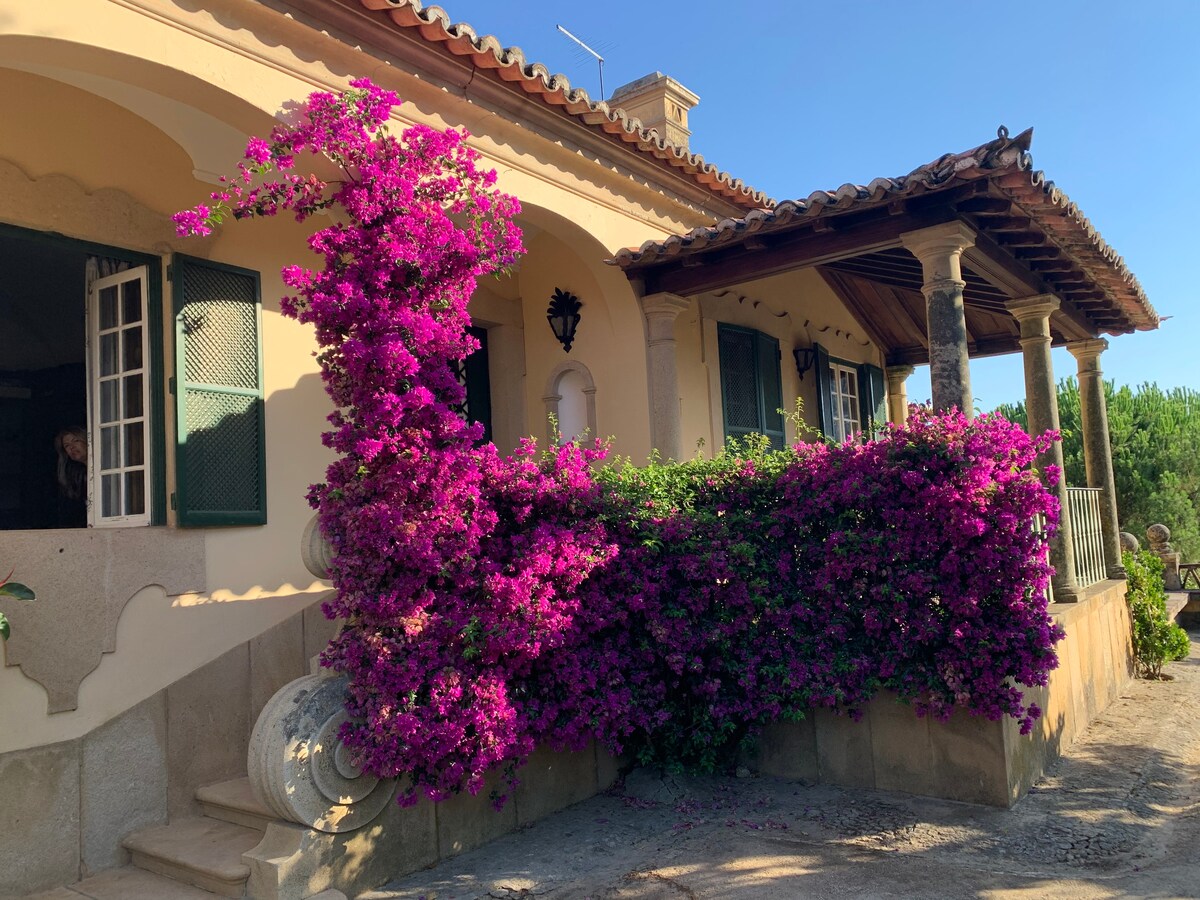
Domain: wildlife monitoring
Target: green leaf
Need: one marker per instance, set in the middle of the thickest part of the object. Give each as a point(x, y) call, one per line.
point(17, 591)
point(4, 630)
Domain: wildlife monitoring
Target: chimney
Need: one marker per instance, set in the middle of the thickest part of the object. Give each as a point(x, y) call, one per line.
point(661, 102)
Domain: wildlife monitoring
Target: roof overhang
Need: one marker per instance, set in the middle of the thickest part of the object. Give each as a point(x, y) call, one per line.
point(455, 48)
point(1031, 239)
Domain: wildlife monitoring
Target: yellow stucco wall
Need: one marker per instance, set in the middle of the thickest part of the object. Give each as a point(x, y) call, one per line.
point(798, 309)
point(118, 114)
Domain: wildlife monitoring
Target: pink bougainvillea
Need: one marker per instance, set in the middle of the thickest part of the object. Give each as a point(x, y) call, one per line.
point(492, 603)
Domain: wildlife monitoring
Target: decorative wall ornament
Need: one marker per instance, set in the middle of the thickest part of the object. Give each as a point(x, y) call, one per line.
point(563, 316)
point(752, 302)
point(84, 577)
point(300, 768)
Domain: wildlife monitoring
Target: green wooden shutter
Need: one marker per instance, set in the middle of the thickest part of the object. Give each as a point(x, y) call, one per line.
point(872, 401)
point(740, 397)
point(770, 389)
point(220, 456)
point(824, 401)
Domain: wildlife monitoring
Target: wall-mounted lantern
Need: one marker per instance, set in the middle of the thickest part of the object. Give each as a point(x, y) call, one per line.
point(805, 357)
point(563, 316)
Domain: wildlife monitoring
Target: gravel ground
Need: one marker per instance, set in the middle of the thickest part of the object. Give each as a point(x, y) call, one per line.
point(1117, 816)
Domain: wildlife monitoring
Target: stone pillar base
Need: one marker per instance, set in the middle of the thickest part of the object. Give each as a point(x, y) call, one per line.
point(293, 861)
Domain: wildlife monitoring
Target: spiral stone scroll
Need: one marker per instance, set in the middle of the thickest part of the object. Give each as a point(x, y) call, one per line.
point(315, 550)
point(300, 769)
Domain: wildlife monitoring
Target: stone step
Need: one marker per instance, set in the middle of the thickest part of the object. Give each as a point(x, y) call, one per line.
point(130, 883)
point(234, 802)
point(199, 851)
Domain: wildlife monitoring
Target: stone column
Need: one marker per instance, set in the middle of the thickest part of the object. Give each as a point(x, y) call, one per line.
point(661, 310)
point(1041, 403)
point(897, 394)
point(939, 248)
point(1097, 446)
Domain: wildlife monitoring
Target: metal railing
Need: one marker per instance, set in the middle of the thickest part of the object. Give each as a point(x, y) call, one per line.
point(1039, 527)
point(1087, 537)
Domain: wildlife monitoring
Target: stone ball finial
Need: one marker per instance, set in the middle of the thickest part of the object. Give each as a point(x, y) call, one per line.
point(1129, 542)
point(1159, 537)
point(315, 550)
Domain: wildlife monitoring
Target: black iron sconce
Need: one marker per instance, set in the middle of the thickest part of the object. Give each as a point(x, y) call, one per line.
point(805, 357)
point(563, 316)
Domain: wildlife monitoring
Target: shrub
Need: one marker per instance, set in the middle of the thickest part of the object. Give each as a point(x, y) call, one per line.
point(1156, 639)
point(757, 585)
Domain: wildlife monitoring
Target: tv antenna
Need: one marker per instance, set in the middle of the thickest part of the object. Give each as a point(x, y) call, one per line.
point(599, 58)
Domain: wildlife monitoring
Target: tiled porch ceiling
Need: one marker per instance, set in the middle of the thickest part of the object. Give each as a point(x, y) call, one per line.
point(1030, 240)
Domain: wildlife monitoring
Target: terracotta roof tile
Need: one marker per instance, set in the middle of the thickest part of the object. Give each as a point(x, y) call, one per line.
point(509, 63)
point(1005, 161)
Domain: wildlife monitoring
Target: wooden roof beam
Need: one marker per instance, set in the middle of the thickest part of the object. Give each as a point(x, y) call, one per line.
point(727, 266)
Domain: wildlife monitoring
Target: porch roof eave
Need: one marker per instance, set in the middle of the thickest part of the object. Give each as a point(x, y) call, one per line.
point(1030, 239)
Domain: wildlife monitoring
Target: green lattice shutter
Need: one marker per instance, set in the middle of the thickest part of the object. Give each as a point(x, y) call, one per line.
point(872, 401)
point(824, 387)
point(220, 454)
point(739, 382)
point(770, 389)
point(751, 387)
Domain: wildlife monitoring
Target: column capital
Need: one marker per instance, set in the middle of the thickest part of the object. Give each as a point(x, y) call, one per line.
point(1087, 353)
point(1031, 309)
point(664, 305)
point(898, 374)
point(949, 237)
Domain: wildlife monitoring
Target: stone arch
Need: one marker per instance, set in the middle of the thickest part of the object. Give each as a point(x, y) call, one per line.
point(609, 345)
point(570, 398)
point(208, 122)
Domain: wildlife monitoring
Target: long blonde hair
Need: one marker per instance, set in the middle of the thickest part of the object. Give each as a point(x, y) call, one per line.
point(72, 475)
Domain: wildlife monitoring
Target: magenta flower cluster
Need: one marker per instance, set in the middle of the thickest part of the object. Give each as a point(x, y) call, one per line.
point(493, 603)
point(754, 587)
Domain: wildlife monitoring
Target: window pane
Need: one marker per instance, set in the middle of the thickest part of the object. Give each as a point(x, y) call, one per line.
point(108, 400)
point(132, 338)
point(108, 307)
point(135, 450)
point(131, 306)
point(108, 354)
point(110, 491)
point(110, 447)
point(135, 493)
point(133, 397)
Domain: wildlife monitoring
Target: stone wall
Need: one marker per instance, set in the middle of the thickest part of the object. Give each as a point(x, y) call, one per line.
point(968, 758)
point(68, 806)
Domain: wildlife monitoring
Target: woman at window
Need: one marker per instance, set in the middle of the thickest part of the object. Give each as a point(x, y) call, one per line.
point(71, 447)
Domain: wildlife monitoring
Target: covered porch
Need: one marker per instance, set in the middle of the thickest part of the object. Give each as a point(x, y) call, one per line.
point(974, 254)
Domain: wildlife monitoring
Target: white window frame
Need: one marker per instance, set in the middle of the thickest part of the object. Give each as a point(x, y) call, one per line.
point(96, 495)
point(840, 399)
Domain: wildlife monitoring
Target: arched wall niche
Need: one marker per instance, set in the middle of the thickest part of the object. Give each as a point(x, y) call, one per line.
point(570, 401)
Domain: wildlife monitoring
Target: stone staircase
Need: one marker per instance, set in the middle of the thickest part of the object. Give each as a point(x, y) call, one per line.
point(190, 858)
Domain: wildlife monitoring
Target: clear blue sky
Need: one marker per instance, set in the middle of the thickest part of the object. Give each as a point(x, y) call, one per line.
point(797, 96)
